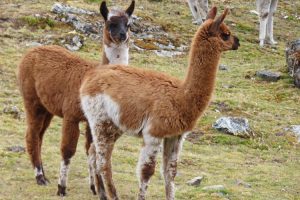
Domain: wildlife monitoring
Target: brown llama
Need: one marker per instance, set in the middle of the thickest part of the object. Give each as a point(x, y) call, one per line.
point(49, 79)
point(164, 108)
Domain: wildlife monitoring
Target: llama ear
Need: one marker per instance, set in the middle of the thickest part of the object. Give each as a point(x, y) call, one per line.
point(212, 13)
point(130, 9)
point(103, 10)
point(215, 26)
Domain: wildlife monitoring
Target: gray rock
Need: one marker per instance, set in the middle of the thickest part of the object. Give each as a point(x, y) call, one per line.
point(223, 67)
point(234, 126)
point(16, 149)
point(268, 75)
point(59, 8)
point(296, 130)
point(13, 110)
point(164, 53)
point(73, 42)
point(214, 188)
point(243, 183)
point(195, 181)
point(293, 60)
point(33, 44)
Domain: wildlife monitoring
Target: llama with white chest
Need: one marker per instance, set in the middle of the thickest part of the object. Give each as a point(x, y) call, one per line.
point(266, 10)
point(164, 108)
point(49, 78)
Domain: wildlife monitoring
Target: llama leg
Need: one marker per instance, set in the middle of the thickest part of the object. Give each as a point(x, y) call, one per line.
point(38, 119)
point(263, 10)
point(147, 162)
point(194, 10)
point(95, 179)
point(269, 33)
point(171, 150)
point(70, 137)
point(105, 135)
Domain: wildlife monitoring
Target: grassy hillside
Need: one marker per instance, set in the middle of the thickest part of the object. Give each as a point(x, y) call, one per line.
point(270, 162)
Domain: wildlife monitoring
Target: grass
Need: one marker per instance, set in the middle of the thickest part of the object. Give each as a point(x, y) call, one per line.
point(270, 163)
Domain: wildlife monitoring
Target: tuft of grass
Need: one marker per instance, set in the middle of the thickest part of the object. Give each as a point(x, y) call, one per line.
point(39, 22)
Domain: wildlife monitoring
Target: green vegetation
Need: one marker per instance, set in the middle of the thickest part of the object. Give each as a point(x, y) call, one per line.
point(270, 162)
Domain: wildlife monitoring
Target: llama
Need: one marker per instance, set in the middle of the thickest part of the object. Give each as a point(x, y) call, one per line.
point(164, 108)
point(49, 78)
point(199, 9)
point(266, 10)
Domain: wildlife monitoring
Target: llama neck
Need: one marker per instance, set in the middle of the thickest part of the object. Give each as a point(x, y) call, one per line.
point(115, 54)
point(200, 80)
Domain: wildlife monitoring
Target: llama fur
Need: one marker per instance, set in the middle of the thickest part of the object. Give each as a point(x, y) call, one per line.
point(164, 108)
point(49, 78)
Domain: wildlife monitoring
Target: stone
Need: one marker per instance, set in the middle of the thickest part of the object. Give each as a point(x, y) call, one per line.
point(73, 42)
point(16, 149)
point(243, 183)
point(59, 8)
point(195, 181)
point(33, 44)
point(13, 110)
point(223, 67)
point(164, 53)
point(296, 130)
point(234, 125)
point(292, 55)
point(268, 75)
point(214, 188)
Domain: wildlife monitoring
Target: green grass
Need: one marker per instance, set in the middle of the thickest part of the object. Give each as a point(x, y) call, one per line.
point(270, 163)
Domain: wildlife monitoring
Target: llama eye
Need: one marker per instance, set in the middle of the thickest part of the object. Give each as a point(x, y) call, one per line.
point(225, 36)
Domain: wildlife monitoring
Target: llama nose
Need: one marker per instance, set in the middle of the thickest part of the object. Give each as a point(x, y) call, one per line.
point(237, 41)
point(122, 36)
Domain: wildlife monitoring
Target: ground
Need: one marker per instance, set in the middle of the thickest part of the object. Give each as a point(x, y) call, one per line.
point(269, 162)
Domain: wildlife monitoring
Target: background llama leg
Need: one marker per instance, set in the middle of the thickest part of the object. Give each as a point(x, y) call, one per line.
point(263, 8)
point(269, 34)
point(199, 9)
point(69, 142)
point(172, 147)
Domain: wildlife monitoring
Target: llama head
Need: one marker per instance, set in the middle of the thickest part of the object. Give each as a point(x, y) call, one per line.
point(216, 31)
point(117, 23)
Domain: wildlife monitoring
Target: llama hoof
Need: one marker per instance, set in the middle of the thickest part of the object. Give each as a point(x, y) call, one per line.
point(103, 197)
point(61, 190)
point(41, 180)
point(273, 42)
point(93, 189)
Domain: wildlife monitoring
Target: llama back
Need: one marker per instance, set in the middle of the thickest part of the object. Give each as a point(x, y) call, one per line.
point(153, 95)
point(50, 73)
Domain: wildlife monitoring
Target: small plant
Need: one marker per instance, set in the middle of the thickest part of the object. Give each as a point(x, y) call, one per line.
point(41, 22)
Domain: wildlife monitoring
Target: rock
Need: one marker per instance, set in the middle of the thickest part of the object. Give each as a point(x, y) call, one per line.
point(13, 110)
point(293, 60)
point(59, 8)
point(195, 181)
point(73, 42)
point(223, 67)
point(268, 75)
point(214, 188)
point(33, 44)
point(296, 130)
point(242, 183)
point(16, 149)
point(164, 53)
point(234, 126)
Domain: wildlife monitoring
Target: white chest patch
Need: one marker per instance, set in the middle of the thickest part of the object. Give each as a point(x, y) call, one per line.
point(117, 54)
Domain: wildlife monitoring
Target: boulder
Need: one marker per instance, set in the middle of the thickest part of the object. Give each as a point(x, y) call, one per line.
point(16, 149)
point(195, 181)
point(268, 75)
point(234, 126)
point(293, 60)
point(214, 188)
